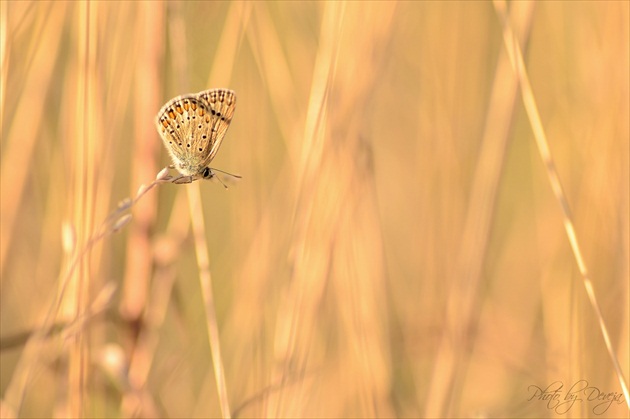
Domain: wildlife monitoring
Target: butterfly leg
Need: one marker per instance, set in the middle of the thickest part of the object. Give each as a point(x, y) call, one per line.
point(183, 179)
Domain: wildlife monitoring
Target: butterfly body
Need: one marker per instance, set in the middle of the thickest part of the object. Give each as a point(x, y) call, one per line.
point(193, 127)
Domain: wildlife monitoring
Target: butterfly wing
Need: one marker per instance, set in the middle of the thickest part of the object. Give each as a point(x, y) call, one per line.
point(174, 122)
point(220, 104)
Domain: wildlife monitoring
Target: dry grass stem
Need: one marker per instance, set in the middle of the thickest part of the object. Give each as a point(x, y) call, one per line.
point(516, 59)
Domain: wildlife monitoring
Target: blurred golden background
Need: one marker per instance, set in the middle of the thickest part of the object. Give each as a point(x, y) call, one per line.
point(394, 248)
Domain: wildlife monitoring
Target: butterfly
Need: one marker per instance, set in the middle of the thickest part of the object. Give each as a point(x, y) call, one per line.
point(193, 127)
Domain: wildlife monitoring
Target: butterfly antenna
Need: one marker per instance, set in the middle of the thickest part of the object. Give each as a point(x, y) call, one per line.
point(219, 179)
point(227, 173)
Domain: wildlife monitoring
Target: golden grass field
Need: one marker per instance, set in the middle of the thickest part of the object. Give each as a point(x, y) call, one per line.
point(432, 220)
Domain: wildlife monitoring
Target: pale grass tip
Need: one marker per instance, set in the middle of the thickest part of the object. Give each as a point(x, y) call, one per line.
point(121, 222)
point(142, 189)
point(124, 204)
point(163, 174)
point(104, 297)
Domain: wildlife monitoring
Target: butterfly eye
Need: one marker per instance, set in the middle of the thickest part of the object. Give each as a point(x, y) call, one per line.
point(207, 173)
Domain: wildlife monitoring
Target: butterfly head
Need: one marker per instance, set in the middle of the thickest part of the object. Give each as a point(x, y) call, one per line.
point(207, 173)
